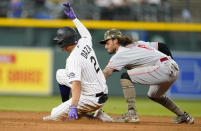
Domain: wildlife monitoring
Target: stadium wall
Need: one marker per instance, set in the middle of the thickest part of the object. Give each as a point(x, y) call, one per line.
point(39, 33)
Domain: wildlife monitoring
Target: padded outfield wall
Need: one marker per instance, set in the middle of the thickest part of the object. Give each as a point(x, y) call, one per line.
point(180, 37)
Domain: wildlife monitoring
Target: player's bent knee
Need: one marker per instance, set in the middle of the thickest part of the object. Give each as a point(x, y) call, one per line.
point(150, 97)
point(153, 96)
point(125, 76)
point(126, 83)
point(60, 75)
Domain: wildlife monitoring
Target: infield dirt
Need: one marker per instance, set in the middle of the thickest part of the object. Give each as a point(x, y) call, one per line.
point(32, 121)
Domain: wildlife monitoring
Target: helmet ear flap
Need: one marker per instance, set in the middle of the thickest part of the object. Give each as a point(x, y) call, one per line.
point(61, 43)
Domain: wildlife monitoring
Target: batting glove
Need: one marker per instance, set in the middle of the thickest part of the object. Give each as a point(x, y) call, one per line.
point(69, 11)
point(72, 113)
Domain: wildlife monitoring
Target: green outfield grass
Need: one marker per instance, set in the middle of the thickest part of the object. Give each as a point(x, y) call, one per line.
point(115, 105)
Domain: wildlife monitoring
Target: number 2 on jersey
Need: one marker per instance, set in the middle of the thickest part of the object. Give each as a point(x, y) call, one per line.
point(93, 60)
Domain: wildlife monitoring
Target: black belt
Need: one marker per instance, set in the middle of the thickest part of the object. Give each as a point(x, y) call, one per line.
point(163, 59)
point(99, 94)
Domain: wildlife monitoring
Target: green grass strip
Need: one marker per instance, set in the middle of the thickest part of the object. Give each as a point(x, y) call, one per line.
point(115, 105)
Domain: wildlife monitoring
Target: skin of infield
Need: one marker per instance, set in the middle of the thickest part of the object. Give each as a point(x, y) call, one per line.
point(32, 121)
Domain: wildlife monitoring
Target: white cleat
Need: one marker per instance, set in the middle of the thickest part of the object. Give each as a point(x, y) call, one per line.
point(47, 118)
point(102, 116)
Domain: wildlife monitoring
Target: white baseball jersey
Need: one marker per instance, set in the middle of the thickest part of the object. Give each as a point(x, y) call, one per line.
point(149, 66)
point(81, 65)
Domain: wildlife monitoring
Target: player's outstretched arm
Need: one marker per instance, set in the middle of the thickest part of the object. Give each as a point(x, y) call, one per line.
point(76, 91)
point(107, 72)
point(80, 27)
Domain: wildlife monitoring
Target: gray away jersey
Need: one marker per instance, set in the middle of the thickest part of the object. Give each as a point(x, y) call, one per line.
point(137, 54)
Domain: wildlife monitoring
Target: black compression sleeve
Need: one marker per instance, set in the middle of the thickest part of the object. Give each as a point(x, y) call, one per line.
point(164, 49)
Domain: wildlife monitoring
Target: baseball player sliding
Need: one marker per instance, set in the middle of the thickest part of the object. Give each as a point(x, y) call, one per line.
point(82, 74)
point(145, 65)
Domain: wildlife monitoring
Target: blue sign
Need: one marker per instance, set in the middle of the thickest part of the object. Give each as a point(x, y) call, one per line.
point(188, 84)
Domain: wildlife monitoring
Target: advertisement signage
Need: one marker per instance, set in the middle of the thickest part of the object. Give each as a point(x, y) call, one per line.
point(25, 71)
point(188, 84)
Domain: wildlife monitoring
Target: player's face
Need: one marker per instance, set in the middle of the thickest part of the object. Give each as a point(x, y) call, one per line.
point(68, 48)
point(64, 48)
point(110, 46)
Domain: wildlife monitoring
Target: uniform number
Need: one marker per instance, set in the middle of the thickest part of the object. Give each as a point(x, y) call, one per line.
point(93, 60)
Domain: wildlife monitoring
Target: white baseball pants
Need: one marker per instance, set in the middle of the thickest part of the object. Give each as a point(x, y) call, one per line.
point(86, 103)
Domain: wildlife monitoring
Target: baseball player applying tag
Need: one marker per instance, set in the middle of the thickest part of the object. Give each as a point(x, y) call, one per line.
point(145, 65)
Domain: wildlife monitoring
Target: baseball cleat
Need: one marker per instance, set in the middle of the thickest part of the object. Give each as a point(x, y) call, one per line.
point(185, 118)
point(102, 116)
point(130, 116)
point(47, 118)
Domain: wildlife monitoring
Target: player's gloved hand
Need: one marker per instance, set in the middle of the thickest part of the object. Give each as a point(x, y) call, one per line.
point(69, 11)
point(72, 113)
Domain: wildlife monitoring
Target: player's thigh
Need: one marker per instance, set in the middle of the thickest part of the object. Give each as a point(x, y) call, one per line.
point(62, 78)
point(150, 75)
point(88, 104)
